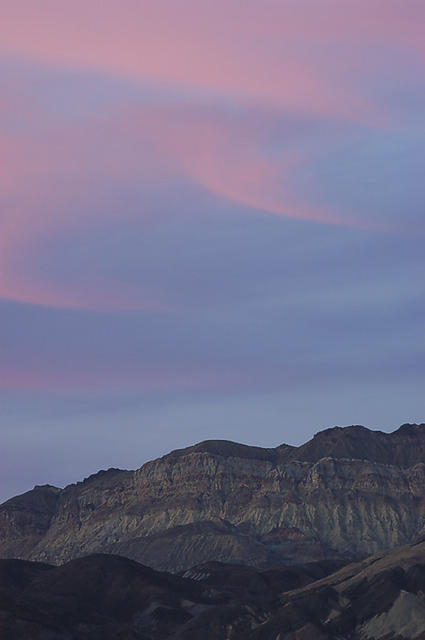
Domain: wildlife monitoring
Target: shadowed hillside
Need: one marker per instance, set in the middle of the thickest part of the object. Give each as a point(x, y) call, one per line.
point(106, 597)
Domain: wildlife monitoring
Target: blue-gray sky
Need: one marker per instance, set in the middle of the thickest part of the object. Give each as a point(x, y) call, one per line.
point(212, 226)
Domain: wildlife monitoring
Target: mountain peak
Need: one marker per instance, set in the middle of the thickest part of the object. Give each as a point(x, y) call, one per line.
point(411, 429)
point(224, 449)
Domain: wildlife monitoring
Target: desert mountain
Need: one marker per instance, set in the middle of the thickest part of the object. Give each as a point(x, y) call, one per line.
point(346, 493)
point(105, 597)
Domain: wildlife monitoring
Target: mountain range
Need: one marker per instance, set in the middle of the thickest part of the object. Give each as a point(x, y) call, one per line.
point(224, 541)
point(347, 493)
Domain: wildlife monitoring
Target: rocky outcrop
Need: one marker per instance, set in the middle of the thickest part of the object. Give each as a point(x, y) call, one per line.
point(25, 520)
point(347, 493)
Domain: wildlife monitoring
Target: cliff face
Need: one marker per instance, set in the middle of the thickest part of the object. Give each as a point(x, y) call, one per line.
point(346, 493)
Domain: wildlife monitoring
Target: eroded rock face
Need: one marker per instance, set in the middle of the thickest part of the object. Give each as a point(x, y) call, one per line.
point(346, 493)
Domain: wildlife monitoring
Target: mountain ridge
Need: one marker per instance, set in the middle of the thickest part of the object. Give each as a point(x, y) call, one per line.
point(319, 446)
point(346, 493)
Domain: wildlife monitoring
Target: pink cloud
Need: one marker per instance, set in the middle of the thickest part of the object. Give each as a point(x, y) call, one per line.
point(145, 145)
point(277, 56)
point(283, 54)
point(91, 378)
point(229, 157)
point(269, 57)
point(47, 185)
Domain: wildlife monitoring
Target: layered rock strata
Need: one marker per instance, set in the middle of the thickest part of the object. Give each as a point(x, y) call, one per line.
point(347, 493)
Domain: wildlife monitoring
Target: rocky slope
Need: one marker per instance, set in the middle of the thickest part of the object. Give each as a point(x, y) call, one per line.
point(106, 597)
point(347, 493)
point(380, 598)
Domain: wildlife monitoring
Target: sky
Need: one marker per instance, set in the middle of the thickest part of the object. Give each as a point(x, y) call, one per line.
point(212, 225)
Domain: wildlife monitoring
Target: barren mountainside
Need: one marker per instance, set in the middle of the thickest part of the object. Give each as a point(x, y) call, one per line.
point(346, 493)
point(105, 597)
